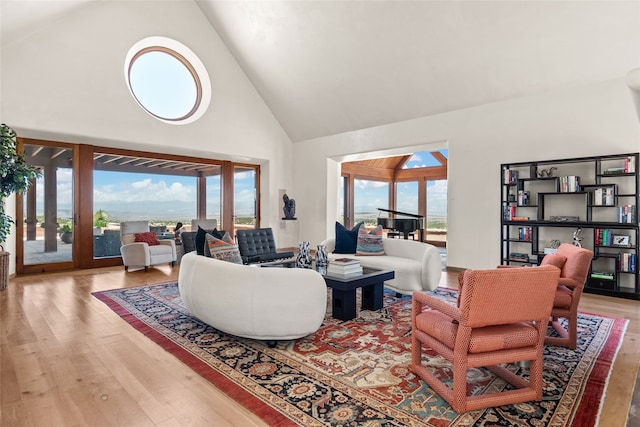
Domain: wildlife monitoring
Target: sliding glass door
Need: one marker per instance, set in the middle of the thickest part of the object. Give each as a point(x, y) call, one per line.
point(70, 218)
point(47, 220)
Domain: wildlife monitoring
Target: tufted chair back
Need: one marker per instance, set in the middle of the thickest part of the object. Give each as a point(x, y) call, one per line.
point(259, 245)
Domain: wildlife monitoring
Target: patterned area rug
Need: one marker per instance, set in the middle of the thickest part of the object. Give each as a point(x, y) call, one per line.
point(356, 373)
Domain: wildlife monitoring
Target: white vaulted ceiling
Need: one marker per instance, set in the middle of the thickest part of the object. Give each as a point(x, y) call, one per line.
point(326, 67)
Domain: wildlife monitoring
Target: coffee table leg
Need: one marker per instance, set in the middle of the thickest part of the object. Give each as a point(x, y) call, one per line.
point(372, 296)
point(343, 304)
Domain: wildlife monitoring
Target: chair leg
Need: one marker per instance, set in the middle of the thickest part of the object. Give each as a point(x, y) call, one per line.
point(146, 268)
point(567, 337)
point(126, 268)
point(572, 326)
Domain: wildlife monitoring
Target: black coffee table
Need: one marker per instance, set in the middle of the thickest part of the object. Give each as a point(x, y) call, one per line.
point(343, 295)
point(343, 300)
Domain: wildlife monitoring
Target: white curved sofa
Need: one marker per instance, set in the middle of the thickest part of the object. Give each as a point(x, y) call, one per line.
point(417, 265)
point(265, 303)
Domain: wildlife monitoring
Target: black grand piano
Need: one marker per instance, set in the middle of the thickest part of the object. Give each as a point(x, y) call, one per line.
point(403, 225)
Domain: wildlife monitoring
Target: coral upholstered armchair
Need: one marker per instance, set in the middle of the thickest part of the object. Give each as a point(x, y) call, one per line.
point(502, 318)
point(575, 263)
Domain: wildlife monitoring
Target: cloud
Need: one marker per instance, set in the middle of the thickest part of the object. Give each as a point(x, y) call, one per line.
point(363, 184)
point(147, 189)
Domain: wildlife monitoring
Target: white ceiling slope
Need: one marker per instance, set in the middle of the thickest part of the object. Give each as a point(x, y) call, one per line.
point(21, 17)
point(326, 67)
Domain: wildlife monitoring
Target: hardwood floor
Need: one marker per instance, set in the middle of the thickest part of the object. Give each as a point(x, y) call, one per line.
point(68, 360)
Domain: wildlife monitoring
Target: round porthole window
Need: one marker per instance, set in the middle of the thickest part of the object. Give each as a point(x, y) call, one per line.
point(167, 80)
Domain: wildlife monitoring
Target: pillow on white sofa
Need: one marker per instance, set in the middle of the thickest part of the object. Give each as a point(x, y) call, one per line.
point(369, 243)
point(223, 249)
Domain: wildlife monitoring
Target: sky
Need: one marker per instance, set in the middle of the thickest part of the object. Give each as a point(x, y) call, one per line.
point(163, 85)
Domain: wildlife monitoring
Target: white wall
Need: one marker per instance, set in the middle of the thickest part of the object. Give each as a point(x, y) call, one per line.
point(582, 121)
point(65, 82)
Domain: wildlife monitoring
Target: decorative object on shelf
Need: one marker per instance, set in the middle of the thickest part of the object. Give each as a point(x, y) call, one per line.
point(621, 240)
point(303, 259)
point(577, 239)
point(555, 243)
point(565, 218)
point(15, 177)
point(321, 256)
point(546, 172)
point(289, 208)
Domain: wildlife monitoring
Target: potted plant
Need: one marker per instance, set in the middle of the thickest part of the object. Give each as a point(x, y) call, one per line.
point(100, 220)
point(66, 233)
point(15, 177)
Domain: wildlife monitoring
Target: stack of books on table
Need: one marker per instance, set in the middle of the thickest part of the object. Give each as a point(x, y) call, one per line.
point(344, 267)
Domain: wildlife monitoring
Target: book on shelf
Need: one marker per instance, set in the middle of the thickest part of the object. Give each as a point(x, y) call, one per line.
point(525, 234)
point(509, 213)
point(626, 262)
point(602, 275)
point(569, 184)
point(615, 171)
point(603, 196)
point(630, 164)
point(523, 198)
point(510, 176)
point(626, 214)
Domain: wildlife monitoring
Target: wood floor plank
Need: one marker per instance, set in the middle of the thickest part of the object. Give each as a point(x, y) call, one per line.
point(66, 359)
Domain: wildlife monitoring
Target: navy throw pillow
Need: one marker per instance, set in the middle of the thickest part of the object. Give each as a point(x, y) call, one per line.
point(346, 240)
point(201, 237)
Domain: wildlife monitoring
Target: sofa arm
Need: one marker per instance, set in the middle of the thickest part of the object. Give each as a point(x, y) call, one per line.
point(135, 254)
point(431, 268)
point(329, 244)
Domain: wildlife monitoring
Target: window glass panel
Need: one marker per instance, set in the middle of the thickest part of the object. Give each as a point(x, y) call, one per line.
point(163, 85)
point(163, 200)
point(214, 198)
point(244, 191)
point(436, 227)
point(407, 197)
point(368, 196)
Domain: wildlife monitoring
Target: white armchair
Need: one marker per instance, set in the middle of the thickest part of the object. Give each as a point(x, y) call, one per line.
point(140, 254)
